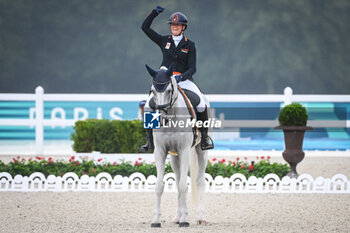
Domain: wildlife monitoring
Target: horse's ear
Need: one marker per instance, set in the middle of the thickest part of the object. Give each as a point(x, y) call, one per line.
point(169, 72)
point(151, 71)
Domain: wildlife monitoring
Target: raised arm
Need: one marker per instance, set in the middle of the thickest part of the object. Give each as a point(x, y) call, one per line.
point(146, 26)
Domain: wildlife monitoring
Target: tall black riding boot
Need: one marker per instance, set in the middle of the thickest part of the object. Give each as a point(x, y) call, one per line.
point(149, 146)
point(206, 142)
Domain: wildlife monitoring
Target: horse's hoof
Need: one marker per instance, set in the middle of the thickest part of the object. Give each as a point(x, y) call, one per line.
point(176, 220)
point(184, 224)
point(201, 222)
point(155, 225)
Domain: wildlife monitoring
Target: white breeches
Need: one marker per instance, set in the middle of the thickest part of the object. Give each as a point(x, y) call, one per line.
point(189, 85)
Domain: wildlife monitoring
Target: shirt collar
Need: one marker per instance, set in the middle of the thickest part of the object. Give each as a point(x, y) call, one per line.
point(177, 38)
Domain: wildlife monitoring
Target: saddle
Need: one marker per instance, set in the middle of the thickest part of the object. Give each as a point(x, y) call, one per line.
point(193, 97)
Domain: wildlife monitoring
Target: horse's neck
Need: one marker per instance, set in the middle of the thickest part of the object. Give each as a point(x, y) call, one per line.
point(175, 108)
point(180, 106)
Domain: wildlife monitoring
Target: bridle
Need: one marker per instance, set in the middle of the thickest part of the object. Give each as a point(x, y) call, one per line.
point(167, 106)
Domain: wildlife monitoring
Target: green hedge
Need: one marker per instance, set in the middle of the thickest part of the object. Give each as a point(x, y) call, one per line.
point(293, 115)
point(107, 136)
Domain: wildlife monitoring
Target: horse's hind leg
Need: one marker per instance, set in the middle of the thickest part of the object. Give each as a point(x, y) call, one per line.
point(202, 164)
point(160, 164)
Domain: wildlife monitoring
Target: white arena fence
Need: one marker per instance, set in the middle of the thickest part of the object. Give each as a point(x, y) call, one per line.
point(137, 182)
point(40, 98)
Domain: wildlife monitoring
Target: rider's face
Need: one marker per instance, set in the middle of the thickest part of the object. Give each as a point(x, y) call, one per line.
point(176, 28)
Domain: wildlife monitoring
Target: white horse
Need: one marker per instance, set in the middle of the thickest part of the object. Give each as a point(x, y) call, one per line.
point(178, 142)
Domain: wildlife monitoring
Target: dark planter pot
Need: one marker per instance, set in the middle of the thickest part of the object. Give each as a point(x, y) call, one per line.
point(293, 140)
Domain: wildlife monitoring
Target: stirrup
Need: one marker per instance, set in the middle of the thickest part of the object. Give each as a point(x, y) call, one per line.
point(145, 148)
point(207, 146)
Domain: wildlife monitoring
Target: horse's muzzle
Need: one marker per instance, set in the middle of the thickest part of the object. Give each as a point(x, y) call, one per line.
point(163, 106)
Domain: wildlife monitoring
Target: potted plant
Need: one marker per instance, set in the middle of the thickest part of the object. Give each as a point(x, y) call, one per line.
point(293, 119)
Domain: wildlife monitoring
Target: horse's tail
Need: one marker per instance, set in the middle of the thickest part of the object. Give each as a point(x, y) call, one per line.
point(194, 174)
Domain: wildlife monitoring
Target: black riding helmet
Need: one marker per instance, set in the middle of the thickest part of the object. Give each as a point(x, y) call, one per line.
point(178, 17)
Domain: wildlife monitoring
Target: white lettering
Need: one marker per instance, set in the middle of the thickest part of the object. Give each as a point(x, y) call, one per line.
point(114, 111)
point(211, 123)
point(164, 125)
point(190, 123)
point(206, 124)
point(181, 124)
point(149, 125)
point(55, 119)
point(199, 124)
point(99, 113)
point(77, 111)
point(217, 124)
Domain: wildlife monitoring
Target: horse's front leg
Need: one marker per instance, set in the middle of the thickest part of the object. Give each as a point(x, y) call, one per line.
point(159, 157)
point(175, 164)
point(182, 187)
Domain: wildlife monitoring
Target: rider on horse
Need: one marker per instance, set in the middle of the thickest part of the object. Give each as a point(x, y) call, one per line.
point(181, 52)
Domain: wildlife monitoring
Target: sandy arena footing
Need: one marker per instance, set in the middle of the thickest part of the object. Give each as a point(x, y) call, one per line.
point(133, 212)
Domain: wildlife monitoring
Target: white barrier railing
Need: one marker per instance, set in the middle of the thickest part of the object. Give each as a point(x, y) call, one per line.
point(137, 182)
point(39, 97)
